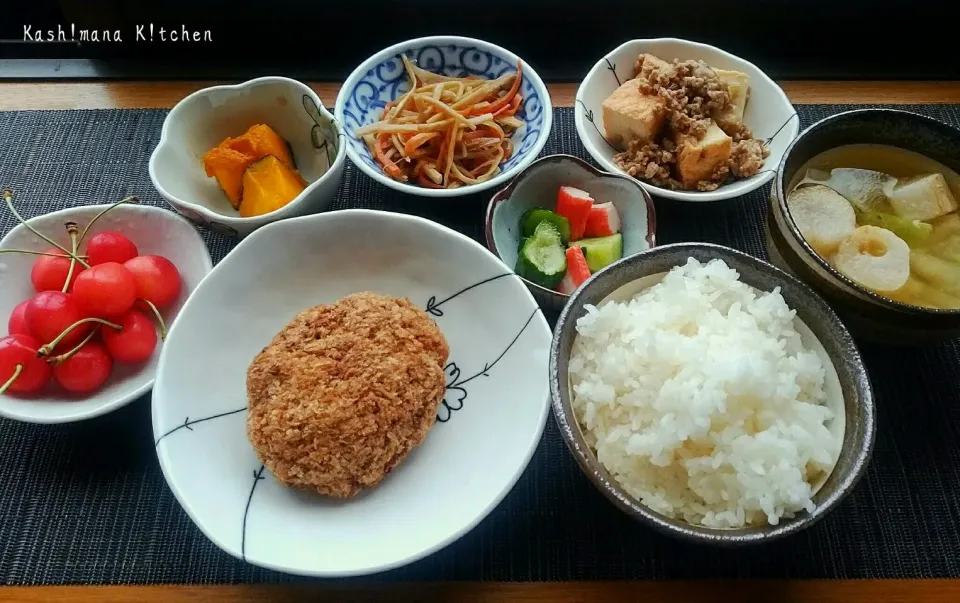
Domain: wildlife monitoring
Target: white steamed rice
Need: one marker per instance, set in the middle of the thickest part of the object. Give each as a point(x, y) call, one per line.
point(702, 401)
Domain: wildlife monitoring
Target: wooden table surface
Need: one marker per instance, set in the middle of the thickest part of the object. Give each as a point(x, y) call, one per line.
point(127, 95)
point(165, 94)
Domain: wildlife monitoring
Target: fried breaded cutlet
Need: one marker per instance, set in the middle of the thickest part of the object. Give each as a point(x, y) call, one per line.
point(345, 391)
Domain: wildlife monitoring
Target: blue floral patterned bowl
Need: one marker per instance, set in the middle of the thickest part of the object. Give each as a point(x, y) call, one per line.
point(381, 79)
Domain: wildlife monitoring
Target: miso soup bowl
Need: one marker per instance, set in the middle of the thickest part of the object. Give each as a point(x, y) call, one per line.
point(868, 315)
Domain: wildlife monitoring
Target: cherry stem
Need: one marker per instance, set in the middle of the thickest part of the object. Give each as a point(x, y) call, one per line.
point(72, 230)
point(67, 355)
point(16, 373)
point(28, 252)
point(86, 229)
point(156, 314)
point(8, 199)
point(47, 348)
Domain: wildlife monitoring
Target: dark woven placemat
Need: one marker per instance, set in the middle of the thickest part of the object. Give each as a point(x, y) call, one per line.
point(86, 503)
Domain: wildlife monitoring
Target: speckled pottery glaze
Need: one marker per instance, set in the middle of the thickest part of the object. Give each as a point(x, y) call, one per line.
point(537, 186)
point(870, 316)
point(635, 273)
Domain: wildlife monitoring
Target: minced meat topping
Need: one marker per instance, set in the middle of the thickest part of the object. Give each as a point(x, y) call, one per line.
point(694, 95)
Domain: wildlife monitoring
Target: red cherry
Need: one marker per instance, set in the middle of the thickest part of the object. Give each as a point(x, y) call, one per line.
point(134, 342)
point(49, 313)
point(17, 325)
point(21, 351)
point(110, 246)
point(49, 273)
point(86, 370)
point(106, 290)
point(158, 280)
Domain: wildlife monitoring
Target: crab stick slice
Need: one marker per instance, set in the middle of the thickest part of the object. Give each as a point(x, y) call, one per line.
point(577, 271)
point(602, 221)
point(574, 205)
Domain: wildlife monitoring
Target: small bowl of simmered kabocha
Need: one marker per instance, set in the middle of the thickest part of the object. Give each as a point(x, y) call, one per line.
point(234, 158)
point(562, 220)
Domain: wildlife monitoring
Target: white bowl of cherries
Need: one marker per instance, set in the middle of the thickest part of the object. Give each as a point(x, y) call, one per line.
point(89, 291)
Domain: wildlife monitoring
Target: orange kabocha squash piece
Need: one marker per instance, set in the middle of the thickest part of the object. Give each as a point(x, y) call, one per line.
point(259, 141)
point(227, 166)
point(268, 185)
point(228, 161)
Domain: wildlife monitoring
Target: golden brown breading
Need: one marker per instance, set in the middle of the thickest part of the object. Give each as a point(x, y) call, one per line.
point(345, 391)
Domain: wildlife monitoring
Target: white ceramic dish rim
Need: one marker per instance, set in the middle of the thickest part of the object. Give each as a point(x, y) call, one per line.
point(140, 391)
point(500, 179)
point(360, 571)
point(727, 191)
point(228, 220)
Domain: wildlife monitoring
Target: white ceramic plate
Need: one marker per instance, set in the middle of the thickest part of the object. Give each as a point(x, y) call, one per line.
point(155, 231)
point(768, 114)
point(492, 417)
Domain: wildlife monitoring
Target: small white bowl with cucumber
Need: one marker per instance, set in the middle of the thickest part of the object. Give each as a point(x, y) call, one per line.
point(561, 220)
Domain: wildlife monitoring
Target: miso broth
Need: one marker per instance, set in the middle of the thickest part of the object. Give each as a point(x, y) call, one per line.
point(886, 218)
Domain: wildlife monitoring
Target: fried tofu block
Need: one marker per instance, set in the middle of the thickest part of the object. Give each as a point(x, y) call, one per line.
point(923, 197)
point(630, 115)
point(699, 159)
point(648, 62)
point(739, 85)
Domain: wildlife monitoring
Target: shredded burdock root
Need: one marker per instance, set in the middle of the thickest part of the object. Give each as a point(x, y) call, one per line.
point(446, 132)
point(694, 95)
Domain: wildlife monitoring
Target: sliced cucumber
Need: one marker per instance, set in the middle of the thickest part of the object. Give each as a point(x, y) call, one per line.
point(601, 251)
point(533, 217)
point(542, 257)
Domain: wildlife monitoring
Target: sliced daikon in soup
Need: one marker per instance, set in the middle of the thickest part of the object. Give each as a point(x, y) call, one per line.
point(867, 190)
point(822, 215)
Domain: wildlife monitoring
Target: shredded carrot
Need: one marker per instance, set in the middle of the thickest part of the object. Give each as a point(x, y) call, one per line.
point(424, 181)
point(512, 109)
point(388, 166)
point(446, 132)
point(506, 98)
point(414, 142)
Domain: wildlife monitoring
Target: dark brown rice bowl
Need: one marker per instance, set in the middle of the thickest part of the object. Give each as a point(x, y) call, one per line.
point(824, 326)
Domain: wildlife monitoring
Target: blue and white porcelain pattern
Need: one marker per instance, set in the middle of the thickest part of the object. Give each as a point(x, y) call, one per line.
point(381, 79)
